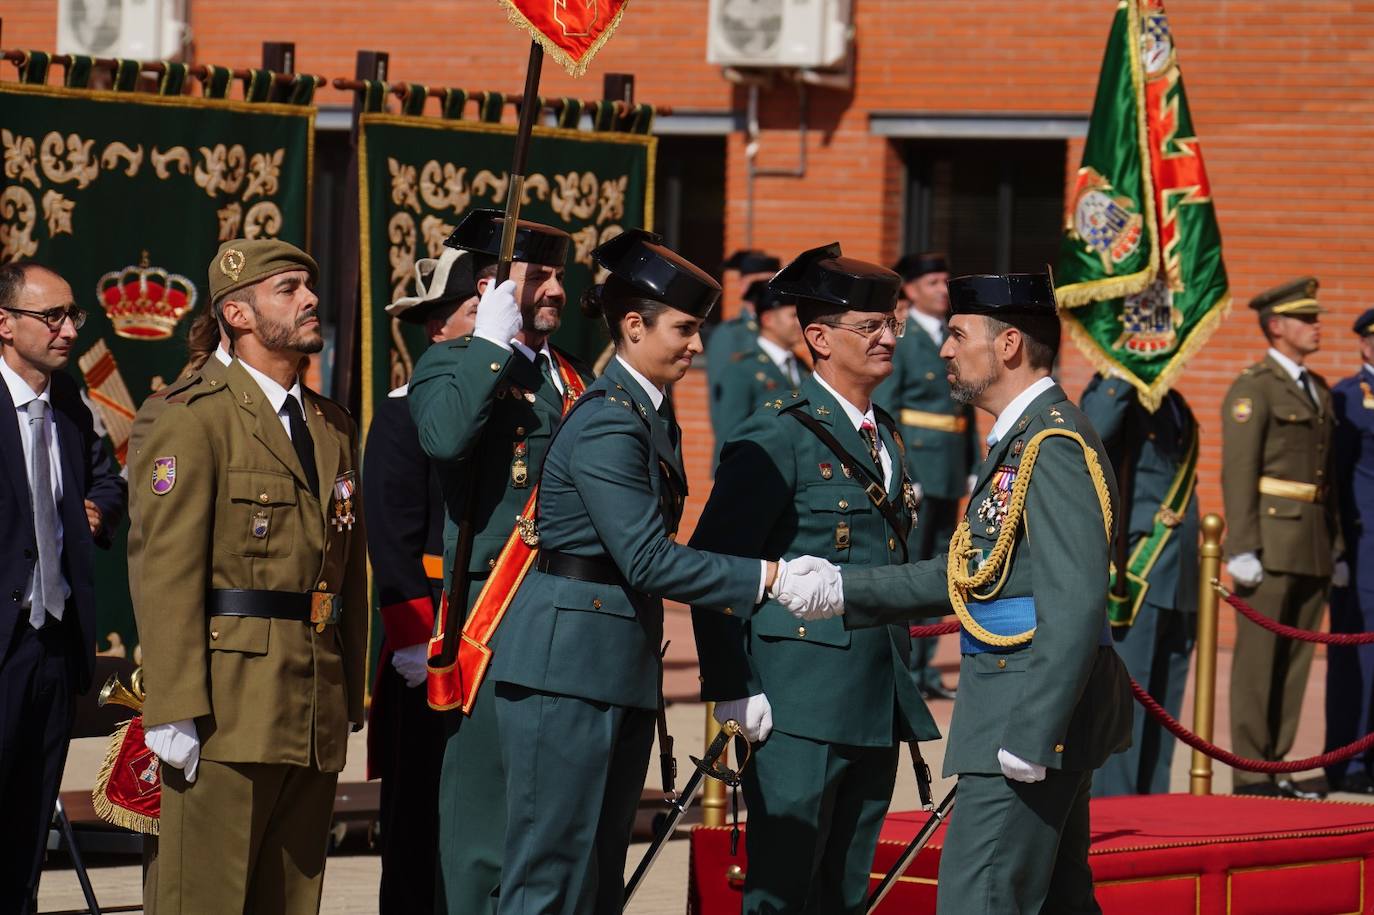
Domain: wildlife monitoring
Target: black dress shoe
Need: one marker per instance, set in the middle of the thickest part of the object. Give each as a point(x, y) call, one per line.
point(1289, 788)
point(938, 691)
point(1258, 789)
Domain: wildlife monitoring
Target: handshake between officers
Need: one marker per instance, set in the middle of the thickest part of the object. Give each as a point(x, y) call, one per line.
point(1043, 698)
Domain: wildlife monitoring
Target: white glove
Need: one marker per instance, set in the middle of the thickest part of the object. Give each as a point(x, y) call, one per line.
point(1018, 770)
point(177, 744)
point(498, 315)
point(755, 716)
point(411, 663)
point(970, 483)
point(1245, 569)
point(809, 588)
point(1340, 574)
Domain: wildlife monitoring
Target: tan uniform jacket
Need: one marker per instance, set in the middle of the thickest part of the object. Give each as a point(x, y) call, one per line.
point(260, 690)
point(1271, 429)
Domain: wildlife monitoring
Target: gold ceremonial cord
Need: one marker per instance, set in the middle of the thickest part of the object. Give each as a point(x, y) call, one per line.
point(961, 584)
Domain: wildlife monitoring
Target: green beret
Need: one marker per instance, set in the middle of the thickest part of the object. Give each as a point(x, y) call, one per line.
point(1296, 297)
point(242, 262)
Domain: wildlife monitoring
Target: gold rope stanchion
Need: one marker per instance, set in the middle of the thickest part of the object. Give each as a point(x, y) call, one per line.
point(1205, 685)
point(713, 792)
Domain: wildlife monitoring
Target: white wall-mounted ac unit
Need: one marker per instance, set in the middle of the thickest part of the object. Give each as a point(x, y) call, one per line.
point(136, 29)
point(796, 34)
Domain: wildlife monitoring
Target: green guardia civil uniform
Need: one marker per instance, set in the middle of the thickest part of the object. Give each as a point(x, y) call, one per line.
point(1027, 574)
point(1154, 619)
point(579, 670)
point(1276, 486)
point(751, 379)
point(819, 787)
point(485, 414)
point(941, 448)
point(730, 339)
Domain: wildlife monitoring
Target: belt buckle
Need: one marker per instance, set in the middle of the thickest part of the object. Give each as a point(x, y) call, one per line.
point(875, 494)
point(324, 609)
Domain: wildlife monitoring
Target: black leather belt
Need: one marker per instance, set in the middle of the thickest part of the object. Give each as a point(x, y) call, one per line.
point(277, 605)
point(597, 569)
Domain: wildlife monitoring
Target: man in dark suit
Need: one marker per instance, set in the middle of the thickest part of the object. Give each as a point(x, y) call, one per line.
point(61, 494)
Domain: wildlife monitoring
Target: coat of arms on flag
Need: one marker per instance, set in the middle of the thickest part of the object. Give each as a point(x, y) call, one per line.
point(1140, 274)
point(571, 31)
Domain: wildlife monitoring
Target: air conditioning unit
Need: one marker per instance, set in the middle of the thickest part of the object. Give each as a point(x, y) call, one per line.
point(795, 34)
point(136, 29)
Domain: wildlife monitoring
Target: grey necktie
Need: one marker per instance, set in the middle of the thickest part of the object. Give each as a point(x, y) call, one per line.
point(792, 374)
point(47, 575)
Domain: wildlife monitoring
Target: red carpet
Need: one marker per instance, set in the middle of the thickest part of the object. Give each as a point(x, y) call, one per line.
point(1158, 855)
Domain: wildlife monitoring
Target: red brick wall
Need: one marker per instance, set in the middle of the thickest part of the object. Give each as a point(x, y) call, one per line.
point(1280, 94)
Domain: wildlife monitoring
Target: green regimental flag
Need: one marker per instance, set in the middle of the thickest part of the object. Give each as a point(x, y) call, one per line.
point(1140, 277)
point(127, 195)
point(418, 177)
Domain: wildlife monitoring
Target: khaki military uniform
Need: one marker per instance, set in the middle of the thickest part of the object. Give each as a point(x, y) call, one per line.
point(1276, 459)
point(224, 504)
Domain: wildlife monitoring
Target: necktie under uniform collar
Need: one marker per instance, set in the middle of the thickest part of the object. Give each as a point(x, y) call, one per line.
point(302, 441)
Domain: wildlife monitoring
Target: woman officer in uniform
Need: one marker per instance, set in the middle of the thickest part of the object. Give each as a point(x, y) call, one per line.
point(578, 670)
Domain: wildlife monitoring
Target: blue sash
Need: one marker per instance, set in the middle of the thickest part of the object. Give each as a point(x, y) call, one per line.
point(1008, 616)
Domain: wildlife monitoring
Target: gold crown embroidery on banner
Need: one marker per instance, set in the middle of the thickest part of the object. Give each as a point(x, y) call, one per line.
point(145, 302)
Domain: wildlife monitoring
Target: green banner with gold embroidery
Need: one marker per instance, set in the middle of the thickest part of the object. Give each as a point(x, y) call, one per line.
point(1140, 276)
point(418, 177)
point(127, 195)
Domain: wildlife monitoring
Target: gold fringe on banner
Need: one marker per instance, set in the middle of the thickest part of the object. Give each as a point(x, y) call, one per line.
point(575, 67)
point(113, 813)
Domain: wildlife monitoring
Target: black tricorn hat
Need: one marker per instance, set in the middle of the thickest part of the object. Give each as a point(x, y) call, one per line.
point(826, 282)
point(912, 266)
point(535, 243)
point(1023, 300)
point(748, 260)
point(764, 298)
point(638, 258)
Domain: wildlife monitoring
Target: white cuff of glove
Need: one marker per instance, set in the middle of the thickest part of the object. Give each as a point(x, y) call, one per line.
point(754, 716)
point(1018, 769)
point(177, 744)
point(498, 315)
point(1245, 569)
point(411, 663)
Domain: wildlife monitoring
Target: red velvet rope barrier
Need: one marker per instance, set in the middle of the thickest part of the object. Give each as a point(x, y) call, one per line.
point(1171, 724)
point(1290, 632)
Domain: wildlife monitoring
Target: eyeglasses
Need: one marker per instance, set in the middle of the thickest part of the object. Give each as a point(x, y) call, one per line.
point(54, 317)
point(872, 329)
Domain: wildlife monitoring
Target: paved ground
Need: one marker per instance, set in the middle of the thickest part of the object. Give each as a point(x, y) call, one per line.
point(351, 880)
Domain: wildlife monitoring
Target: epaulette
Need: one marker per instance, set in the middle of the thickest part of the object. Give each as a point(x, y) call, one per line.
point(625, 400)
point(778, 403)
point(201, 387)
point(1054, 417)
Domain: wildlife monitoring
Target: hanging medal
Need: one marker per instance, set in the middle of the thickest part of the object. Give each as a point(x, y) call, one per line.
point(345, 484)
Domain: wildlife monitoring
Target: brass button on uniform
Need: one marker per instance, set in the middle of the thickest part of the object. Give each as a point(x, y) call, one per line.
point(891, 544)
point(801, 632)
point(1001, 663)
point(930, 376)
point(729, 611)
point(844, 503)
point(491, 563)
point(262, 497)
point(596, 602)
point(1273, 510)
point(322, 586)
point(496, 366)
point(1059, 748)
point(214, 634)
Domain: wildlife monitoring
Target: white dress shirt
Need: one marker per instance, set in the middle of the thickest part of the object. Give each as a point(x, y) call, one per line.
point(784, 359)
point(1295, 372)
point(222, 354)
point(276, 395)
point(934, 327)
point(23, 395)
point(858, 418)
point(1017, 406)
point(532, 356)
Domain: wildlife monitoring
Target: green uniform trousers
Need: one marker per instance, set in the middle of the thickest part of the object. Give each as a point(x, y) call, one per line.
point(1268, 673)
point(936, 521)
point(1018, 849)
point(472, 811)
point(574, 773)
point(815, 811)
point(1156, 650)
point(244, 837)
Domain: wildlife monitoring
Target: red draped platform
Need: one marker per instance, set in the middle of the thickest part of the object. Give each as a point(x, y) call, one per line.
point(1156, 855)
